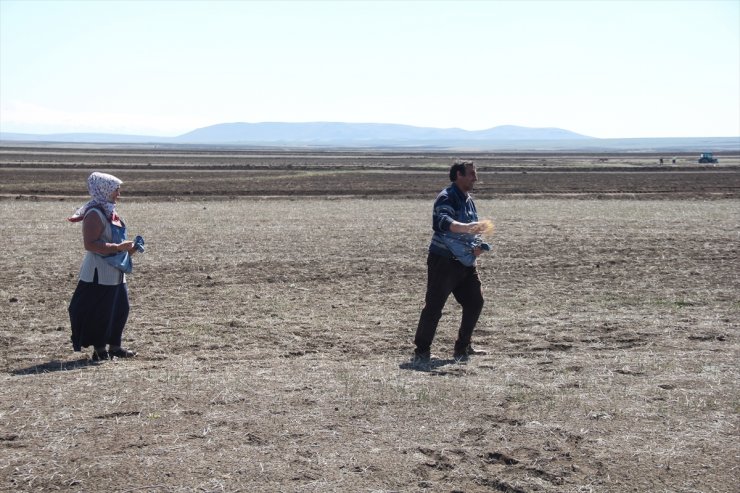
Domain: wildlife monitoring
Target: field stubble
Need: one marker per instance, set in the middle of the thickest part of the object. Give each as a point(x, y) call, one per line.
point(274, 337)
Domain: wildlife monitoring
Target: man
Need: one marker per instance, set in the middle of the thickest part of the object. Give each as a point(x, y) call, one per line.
point(454, 220)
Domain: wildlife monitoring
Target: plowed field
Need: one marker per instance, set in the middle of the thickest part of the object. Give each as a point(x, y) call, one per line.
point(274, 312)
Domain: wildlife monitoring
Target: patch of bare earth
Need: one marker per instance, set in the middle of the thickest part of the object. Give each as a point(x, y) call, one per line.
point(274, 338)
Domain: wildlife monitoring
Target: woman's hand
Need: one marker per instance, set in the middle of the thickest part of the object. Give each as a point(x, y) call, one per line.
point(126, 246)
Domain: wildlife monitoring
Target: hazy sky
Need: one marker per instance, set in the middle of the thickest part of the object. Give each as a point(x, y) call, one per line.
point(606, 69)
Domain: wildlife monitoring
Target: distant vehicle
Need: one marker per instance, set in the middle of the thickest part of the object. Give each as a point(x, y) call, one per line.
point(707, 158)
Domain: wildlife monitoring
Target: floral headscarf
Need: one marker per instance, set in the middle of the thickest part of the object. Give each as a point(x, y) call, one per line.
point(101, 186)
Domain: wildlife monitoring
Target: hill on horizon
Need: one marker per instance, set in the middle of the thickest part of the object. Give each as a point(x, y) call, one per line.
point(368, 135)
point(332, 132)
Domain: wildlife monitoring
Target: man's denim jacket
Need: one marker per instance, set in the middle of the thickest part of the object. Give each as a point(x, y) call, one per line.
point(454, 205)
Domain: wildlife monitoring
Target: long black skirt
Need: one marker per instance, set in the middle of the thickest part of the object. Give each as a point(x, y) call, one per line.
point(98, 314)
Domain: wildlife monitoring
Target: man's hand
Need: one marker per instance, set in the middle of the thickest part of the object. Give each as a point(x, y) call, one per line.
point(484, 227)
point(469, 228)
point(476, 228)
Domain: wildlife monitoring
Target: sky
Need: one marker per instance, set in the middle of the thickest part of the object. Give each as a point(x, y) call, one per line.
point(602, 68)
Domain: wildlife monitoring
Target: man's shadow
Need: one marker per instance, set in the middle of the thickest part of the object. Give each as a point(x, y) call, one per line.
point(53, 366)
point(433, 365)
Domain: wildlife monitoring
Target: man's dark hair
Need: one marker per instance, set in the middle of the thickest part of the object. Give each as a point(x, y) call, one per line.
point(459, 165)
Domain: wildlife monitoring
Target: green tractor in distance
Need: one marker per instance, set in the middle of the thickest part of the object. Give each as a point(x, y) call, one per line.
point(707, 158)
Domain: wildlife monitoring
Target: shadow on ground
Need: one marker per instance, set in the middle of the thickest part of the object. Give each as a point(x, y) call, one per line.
point(55, 365)
point(432, 366)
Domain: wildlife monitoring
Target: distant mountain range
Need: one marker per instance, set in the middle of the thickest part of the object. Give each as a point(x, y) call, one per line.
point(367, 135)
point(362, 133)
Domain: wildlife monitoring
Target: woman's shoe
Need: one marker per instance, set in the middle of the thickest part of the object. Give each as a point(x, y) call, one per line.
point(100, 355)
point(122, 352)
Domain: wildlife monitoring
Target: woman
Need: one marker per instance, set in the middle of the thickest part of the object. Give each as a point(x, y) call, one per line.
point(99, 307)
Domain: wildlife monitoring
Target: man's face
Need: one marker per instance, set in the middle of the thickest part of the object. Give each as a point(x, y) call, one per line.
point(466, 182)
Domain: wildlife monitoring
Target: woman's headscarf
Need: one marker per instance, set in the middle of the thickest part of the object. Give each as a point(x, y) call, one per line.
point(101, 186)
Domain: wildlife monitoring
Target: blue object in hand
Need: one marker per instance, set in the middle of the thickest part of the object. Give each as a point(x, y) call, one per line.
point(139, 244)
point(485, 247)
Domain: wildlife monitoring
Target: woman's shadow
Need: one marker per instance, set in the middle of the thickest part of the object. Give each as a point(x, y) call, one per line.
point(54, 365)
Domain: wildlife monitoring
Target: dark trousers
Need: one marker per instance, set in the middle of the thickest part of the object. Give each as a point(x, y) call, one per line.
point(445, 276)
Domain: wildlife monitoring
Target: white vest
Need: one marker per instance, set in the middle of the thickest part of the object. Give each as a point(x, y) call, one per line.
point(107, 274)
